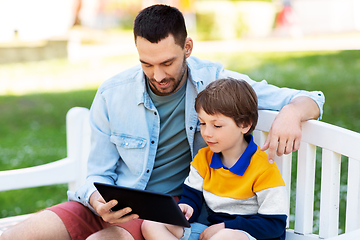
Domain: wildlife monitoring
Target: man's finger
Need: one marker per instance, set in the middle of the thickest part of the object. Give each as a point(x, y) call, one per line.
point(265, 146)
point(289, 148)
point(106, 208)
point(119, 216)
point(273, 145)
point(281, 148)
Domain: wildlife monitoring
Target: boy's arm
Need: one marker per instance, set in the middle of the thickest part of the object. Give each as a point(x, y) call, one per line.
point(268, 223)
point(260, 226)
point(194, 199)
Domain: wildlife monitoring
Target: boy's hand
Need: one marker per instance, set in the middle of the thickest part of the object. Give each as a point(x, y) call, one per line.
point(210, 231)
point(104, 210)
point(187, 210)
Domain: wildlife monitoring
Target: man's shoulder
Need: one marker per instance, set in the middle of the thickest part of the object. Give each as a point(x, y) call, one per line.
point(196, 63)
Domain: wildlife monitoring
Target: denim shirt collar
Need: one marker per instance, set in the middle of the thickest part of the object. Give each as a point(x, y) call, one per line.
point(242, 164)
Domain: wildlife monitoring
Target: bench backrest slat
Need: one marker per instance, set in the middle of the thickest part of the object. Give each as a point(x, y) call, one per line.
point(330, 194)
point(353, 196)
point(305, 188)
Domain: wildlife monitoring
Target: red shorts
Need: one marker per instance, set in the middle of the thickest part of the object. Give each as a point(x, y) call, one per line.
point(81, 222)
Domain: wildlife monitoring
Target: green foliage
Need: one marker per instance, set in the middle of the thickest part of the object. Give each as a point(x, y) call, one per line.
point(205, 27)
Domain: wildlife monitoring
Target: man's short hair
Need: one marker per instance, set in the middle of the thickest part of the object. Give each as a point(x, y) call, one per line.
point(232, 98)
point(157, 22)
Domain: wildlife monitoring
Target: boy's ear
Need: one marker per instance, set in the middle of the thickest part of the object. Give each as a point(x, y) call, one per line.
point(245, 128)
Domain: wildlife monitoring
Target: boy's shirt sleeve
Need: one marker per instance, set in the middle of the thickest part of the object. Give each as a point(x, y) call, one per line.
point(193, 185)
point(270, 221)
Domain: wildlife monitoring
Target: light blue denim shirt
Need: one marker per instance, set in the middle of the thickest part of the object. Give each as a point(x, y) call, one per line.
point(125, 124)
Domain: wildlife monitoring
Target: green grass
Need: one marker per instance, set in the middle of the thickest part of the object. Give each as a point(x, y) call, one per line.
point(32, 127)
point(33, 132)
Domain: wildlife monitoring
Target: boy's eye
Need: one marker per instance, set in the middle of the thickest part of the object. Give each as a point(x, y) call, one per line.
point(202, 123)
point(217, 126)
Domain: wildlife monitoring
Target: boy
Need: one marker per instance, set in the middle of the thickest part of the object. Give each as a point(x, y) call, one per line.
point(246, 194)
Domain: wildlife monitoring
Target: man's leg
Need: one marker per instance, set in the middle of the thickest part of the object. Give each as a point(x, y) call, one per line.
point(43, 225)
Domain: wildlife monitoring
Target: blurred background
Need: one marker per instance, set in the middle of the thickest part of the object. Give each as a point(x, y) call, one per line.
point(55, 53)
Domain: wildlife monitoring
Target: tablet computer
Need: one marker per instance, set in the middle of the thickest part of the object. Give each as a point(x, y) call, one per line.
point(148, 205)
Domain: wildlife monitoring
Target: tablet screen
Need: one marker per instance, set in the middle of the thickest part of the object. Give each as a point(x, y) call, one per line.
point(148, 205)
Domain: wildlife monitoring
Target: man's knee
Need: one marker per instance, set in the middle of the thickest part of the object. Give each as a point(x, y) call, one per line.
point(42, 225)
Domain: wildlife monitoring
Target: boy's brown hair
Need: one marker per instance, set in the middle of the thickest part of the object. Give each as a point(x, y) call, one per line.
point(232, 98)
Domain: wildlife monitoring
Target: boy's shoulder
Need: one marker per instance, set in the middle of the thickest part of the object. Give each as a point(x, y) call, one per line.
point(268, 174)
point(261, 159)
point(202, 158)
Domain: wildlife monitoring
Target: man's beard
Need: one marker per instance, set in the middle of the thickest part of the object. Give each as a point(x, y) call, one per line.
point(177, 82)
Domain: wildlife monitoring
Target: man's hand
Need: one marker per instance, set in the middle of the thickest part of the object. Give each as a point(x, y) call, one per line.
point(211, 231)
point(104, 210)
point(285, 132)
point(284, 135)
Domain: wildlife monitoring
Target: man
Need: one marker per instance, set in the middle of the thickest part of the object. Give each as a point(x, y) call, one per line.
point(145, 130)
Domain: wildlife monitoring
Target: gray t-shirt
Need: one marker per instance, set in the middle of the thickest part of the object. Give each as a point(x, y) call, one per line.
point(173, 154)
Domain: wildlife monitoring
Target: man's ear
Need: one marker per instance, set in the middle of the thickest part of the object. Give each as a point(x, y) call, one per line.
point(188, 47)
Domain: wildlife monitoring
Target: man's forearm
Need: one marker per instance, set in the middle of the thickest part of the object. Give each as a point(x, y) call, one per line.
point(305, 107)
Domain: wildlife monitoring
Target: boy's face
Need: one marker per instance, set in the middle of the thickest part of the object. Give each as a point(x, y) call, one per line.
point(222, 134)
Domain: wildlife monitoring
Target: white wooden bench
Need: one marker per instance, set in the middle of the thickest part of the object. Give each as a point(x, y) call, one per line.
point(334, 142)
point(71, 170)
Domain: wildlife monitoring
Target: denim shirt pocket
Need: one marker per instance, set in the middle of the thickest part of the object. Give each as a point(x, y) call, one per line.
point(131, 150)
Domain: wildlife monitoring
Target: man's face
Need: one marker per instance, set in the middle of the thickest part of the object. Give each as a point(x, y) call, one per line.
point(164, 64)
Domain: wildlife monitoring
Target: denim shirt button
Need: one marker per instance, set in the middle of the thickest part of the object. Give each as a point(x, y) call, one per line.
point(191, 128)
point(147, 171)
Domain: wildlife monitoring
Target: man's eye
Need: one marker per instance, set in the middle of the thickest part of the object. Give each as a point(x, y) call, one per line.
point(217, 126)
point(146, 65)
point(168, 64)
point(202, 124)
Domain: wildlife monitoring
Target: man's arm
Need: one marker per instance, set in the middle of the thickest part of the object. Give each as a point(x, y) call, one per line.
point(285, 132)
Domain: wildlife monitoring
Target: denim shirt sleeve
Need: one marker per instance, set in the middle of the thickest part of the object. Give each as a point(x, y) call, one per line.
point(101, 165)
point(274, 98)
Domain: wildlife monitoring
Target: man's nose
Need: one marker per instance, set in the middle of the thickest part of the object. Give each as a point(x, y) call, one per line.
point(159, 74)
